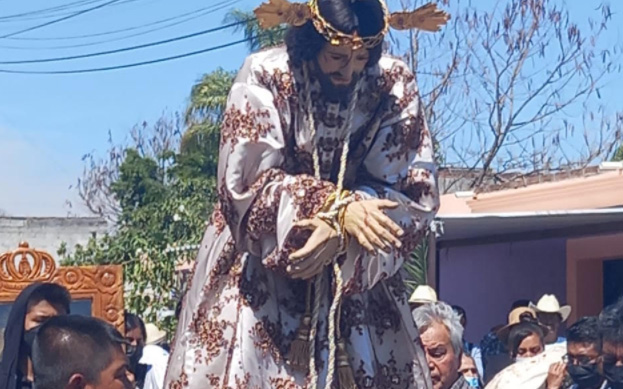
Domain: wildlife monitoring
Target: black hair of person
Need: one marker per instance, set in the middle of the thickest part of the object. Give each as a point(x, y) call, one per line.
point(520, 304)
point(585, 331)
point(14, 331)
point(520, 332)
point(132, 321)
point(304, 43)
point(611, 323)
point(56, 295)
point(68, 345)
point(459, 311)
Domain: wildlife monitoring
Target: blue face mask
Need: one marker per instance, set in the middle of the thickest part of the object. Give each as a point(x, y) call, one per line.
point(473, 382)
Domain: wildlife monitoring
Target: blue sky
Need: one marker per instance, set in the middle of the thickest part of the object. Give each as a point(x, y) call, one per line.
point(48, 122)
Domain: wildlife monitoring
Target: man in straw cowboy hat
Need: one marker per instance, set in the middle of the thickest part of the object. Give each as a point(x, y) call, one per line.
point(326, 182)
point(551, 315)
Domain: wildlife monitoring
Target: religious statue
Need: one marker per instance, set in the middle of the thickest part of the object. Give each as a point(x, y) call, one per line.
point(326, 184)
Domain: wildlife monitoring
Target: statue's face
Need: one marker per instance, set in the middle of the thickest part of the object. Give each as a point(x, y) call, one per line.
point(342, 65)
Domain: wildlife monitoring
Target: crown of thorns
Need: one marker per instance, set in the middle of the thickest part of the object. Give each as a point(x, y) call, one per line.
point(278, 12)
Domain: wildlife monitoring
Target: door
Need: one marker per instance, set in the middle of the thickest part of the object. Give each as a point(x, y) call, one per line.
point(613, 281)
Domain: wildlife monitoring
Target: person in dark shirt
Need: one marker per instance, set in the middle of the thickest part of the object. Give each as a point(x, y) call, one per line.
point(34, 306)
point(582, 364)
point(611, 325)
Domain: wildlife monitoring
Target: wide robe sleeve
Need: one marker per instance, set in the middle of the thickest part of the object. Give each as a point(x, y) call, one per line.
point(260, 202)
point(399, 166)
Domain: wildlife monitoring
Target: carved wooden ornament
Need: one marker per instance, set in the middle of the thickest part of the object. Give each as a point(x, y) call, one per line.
point(102, 285)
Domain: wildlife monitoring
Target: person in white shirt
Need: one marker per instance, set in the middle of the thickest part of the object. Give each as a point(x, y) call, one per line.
point(148, 361)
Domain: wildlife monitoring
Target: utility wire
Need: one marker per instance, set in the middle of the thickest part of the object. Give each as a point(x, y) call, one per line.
point(131, 65)
point(63, 7)
point(73, 15)
point(59, 10)
point(195, 15)
point(124, 49)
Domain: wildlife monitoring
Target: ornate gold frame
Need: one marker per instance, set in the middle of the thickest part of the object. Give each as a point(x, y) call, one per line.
point(102, 285)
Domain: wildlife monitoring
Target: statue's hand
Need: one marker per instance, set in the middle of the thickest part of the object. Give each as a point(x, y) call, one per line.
point(318, 251)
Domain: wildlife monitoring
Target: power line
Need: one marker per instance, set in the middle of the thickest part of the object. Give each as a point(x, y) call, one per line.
point(131, 65)
point(73, 15)
point(59, 10)
point(124, 49)
point(195, 15)
point(124, 29)
point(62, 12)
point(47, 10)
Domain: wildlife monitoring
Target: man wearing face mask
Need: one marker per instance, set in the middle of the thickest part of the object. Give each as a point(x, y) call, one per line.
point(583, 360)
point(469, 371)
point(611, 325)
point(33, 307)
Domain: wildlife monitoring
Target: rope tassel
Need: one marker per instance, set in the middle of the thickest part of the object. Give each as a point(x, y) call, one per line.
point(299, 353)
point(298, 356)
point(345, 376)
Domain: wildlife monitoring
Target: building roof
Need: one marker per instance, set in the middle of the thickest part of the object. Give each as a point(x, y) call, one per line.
point(603, 190)
point(486, 228)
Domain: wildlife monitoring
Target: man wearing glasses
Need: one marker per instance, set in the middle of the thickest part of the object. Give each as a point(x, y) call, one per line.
point(581, 367)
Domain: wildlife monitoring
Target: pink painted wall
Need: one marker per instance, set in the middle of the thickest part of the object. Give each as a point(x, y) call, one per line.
point(585, 258)
point(486, 279)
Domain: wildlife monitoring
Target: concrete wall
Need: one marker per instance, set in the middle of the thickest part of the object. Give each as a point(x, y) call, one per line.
point(487, 279)
point(47, 234)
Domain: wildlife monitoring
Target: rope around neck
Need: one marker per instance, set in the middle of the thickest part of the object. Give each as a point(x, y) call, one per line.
point(333, 311)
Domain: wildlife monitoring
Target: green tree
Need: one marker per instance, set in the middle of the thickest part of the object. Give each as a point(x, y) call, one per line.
point(200, 142)
point(618, 155)
point(257, 38)
point(164, 201)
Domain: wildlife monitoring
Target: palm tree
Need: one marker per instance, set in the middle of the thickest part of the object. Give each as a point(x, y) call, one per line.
point(204, 113)
point(417, 267)
point(209, 96)
point(258, 38)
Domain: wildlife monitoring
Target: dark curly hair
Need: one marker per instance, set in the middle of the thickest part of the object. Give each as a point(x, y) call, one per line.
point(363, 16)
point(585, 330)
point(611, 323)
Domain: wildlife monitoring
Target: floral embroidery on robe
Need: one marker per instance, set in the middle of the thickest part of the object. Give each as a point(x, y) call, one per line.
point(241, 311)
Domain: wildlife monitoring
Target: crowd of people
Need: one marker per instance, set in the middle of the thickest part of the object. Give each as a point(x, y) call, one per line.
point(48, 348)
point(527, 352)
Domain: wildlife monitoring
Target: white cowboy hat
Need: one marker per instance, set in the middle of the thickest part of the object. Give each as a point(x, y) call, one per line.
point(549, 304)
point(154, 334)
point(423, 294)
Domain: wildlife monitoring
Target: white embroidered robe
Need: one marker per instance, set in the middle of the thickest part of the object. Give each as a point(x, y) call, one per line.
point(241, 311)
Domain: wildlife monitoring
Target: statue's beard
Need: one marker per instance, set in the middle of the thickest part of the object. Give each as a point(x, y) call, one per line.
point(333, 92)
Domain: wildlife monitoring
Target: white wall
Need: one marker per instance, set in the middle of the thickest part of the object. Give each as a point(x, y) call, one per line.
point(47, 234)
